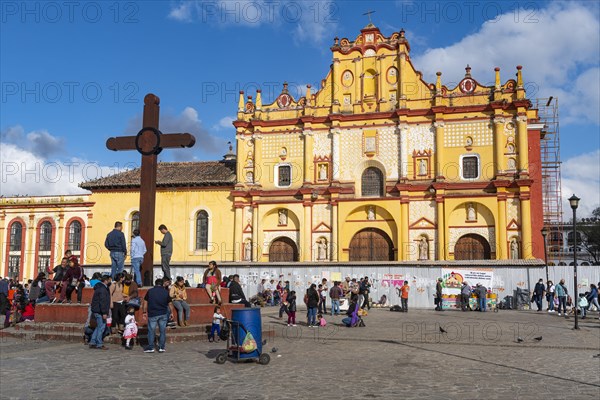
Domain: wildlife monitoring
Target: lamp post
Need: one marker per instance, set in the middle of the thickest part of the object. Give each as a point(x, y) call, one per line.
point(574, 201)
point(544, 234)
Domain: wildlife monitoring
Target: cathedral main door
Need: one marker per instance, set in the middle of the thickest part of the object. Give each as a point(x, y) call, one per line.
point(371, 244)
point(472, 247)
point(283, 250)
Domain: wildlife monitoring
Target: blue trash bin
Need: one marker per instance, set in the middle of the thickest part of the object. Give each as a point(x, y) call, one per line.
point(249, 320)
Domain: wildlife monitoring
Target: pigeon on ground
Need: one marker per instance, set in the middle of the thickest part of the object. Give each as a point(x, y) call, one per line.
point(539, 338)
point(274, 350)
point(264, 342)
point(443, 330)
point(519, 340)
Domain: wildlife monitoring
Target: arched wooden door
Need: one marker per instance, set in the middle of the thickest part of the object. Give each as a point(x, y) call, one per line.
point(472, 247)
point(371, 245)
point(283, 250)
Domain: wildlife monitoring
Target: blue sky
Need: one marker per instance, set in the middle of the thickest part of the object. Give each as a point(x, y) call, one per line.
point(73, 75)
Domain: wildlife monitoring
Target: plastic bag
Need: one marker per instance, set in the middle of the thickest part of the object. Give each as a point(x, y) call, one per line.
point(249, 344)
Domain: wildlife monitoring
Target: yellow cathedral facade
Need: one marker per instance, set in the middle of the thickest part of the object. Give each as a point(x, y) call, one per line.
point(374, 165)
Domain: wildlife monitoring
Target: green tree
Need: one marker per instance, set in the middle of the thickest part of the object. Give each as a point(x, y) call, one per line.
point(590, 230)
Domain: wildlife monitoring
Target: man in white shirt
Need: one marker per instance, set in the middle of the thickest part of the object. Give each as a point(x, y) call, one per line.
point(261, 288)
point(138, 249)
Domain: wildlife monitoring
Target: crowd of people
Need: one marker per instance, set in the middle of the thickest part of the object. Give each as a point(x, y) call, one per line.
point(354, 291)
point(116, 295)
point(558, 298)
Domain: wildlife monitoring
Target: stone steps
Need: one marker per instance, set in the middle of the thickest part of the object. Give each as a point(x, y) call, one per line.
point(195, 295)
point(73, 333)
point(77, 313)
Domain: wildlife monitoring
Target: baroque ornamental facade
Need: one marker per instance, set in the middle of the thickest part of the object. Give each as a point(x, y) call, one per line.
point(379, 165)
point(374, 165)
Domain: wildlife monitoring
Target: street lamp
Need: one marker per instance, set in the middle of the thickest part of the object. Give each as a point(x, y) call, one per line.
point(544, 234)
point(574, 201)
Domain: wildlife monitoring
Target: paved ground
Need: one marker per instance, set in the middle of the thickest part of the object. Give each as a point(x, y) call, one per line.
point(396, 356)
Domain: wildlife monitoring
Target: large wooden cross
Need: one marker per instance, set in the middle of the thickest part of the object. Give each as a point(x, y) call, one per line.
point(149, 142)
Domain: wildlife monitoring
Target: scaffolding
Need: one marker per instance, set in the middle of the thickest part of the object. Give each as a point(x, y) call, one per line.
point(551, 176)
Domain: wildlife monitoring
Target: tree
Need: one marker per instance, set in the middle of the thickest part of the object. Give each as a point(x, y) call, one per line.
point(590, 229)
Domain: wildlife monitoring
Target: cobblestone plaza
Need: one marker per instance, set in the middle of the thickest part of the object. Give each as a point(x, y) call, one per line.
point(395, 356)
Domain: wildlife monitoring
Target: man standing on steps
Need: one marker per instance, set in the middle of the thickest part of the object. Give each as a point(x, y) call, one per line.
point(115, 243)
point(138, 249)
point(166, 250)
point(155, 310)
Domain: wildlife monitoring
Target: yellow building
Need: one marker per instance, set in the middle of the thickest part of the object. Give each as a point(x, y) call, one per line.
point(374, 165)
point(378, 164)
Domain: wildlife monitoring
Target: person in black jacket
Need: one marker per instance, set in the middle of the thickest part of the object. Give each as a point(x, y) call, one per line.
point(115, 243)
point(291, 308)
point(438, 295)
point(236, 294)
point(312, 302)
point(538, 294)
point(100, 308)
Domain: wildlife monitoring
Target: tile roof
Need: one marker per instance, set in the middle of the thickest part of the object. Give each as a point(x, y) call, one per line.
point(205, 173)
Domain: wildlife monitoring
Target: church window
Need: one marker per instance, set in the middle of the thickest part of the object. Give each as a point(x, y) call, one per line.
point(16, 230)
point(470, 167)
point(284, 175)
point(74, 240)
point(135, 221)
point(372, 182)
point(202, 230)
point(45, 243)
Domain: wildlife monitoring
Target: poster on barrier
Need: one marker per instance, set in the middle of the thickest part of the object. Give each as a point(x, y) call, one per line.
point(393, 280)
point(453, 278)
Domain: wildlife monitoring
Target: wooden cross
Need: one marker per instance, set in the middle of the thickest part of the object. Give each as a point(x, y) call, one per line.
point(149, 142)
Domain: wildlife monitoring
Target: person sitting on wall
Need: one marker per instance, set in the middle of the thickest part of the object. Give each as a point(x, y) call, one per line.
point(212, 280)
point(236, 294)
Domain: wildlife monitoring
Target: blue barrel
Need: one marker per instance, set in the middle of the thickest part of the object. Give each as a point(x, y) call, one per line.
point(250, 321)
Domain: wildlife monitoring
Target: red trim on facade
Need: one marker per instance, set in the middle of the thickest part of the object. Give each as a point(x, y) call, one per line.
point(49, 205)
point(414, 225)
point(83, 228)
point(471, 226)
point(37, 242)
point(536, 196)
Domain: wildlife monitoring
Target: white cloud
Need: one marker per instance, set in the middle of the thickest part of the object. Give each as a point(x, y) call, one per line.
point(559, 53)
point(182, 12)
point(224, 123)
point(37, 164)
point(305, 21)
point(187, 121)
point(38, 142)
point(581, 176)
point(24, 173)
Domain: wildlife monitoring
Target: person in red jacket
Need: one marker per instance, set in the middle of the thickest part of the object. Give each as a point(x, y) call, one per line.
point(28, 312)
